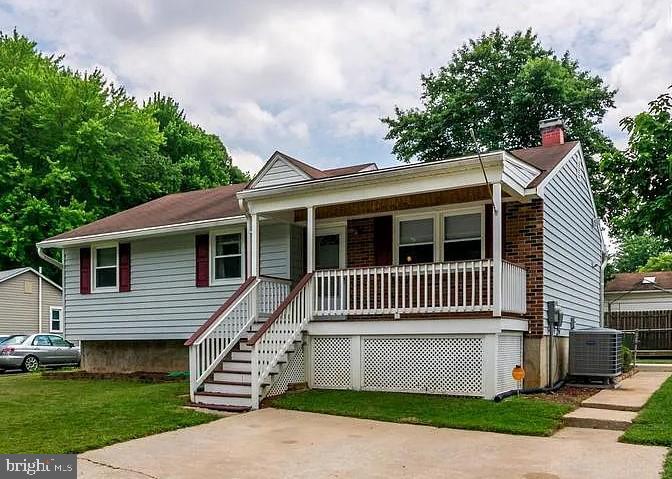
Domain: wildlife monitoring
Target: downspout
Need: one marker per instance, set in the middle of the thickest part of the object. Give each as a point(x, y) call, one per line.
point(603, 267)
point(48, 259)
point(39, 301)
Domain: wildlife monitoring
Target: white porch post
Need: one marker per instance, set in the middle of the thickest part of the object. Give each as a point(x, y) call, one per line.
point(497, 250)
point(254, 245)
point(310, 239)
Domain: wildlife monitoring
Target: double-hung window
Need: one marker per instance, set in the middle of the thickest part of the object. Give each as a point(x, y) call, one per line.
point(106, 265)
point(55, 318)
point(416, 241)
point(228, 256)
point(462, 237)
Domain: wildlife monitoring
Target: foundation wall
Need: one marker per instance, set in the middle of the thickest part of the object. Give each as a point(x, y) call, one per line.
point(535, 360)
point(134, 356)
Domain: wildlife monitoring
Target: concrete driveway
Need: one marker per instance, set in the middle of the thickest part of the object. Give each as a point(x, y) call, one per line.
point(276, 443)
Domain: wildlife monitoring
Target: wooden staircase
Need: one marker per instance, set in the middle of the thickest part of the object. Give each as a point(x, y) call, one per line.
point(229, 387)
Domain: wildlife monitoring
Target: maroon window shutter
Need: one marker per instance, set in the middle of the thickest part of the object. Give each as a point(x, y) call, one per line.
point(124, 267)
point(202, 260)
point(382, 240)
point(84, 270)
point(488, 231)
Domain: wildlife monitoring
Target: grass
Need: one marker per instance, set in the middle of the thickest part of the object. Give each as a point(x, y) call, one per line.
point(516, 415)
point(654, 424)
point(52, 416)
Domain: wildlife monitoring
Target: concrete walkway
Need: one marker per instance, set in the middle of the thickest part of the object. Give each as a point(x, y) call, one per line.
point(616, 409)
point(276, 443)
point(632, 393)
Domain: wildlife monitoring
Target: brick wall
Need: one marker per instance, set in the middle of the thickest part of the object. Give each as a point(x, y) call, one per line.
point(524, 241)
point(360, 243)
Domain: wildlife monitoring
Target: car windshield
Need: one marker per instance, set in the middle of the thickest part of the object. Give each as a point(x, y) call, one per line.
point(18, 339)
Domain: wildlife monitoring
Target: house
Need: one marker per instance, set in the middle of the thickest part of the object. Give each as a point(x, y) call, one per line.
point(29, 303)
point(643, 302)
point(639, 292)
point(422, 277)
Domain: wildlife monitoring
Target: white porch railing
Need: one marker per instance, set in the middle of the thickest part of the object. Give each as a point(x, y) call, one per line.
point(279, 332)
point(209, 345)
point(514, 288)
point(460, 286)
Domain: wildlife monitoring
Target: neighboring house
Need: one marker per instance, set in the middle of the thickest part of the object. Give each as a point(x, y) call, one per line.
point(29, 303)
point(642, 302)
point(423, 277)
point(639, 292)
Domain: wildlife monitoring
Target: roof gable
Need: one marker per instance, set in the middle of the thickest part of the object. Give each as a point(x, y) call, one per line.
point(13, 273)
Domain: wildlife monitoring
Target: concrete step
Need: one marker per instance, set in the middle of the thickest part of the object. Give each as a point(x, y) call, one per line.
point(223, 399)
point(664, 368)
point(228, 387)
point(592, 418)
point(219, 407)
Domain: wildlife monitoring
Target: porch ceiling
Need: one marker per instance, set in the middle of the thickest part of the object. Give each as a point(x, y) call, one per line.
point(398, 203)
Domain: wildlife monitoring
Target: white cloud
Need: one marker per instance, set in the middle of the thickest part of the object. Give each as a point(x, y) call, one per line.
point(246, 160)
point(312, 77)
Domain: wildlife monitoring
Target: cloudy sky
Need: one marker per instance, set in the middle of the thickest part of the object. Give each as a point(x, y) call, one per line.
point(313, 78)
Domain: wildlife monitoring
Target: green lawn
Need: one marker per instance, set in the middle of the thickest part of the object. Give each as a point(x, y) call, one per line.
point(516, 415)
point(69, 416)
point(654, 424)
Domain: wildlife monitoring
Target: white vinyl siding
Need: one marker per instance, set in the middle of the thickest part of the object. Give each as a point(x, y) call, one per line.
point(280, 172)
point(572, 247)
point(164, 302)
point(639, 301)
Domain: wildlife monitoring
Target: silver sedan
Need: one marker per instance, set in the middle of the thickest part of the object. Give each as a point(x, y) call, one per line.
point(29, 352)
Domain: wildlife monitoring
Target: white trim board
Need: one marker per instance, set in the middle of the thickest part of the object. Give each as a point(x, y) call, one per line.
point(415, 326)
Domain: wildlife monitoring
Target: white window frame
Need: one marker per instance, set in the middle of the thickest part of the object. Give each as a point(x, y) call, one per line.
point(243, 255)
point(439, 226)
point(398, 219)
point(94, 257)
point(334, 229)
point(60, 318)
point(459, 212)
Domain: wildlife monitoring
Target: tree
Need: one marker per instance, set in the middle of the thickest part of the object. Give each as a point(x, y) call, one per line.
point(638, 182)
point(200, 158)
point(74, 148)
point(501, 86)
point(633, 253)
point(662, 262)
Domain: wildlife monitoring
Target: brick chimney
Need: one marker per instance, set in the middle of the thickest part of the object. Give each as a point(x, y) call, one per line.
point(552, 132)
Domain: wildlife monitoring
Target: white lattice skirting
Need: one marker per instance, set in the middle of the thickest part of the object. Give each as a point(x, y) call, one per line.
point(435, 365)
point(478, 365)
point(292, 374)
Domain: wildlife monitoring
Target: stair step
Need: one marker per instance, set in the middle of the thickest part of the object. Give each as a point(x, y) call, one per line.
point(233, 376)
point(241, 356)
point(236, 366)
point(592, 418)
point(224, 399)
point(231, 387)
point(219, 407)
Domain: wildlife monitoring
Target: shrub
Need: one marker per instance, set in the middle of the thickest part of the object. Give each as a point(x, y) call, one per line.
point(628, 358)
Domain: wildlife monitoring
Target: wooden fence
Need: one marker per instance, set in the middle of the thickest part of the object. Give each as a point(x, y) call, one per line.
point(643, 321)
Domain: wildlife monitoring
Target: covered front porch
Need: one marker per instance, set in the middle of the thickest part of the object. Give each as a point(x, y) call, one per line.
point(436, 248)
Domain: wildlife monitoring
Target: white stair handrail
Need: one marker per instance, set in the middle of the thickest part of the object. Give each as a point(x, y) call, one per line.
point(279, 332)
point(210, 344)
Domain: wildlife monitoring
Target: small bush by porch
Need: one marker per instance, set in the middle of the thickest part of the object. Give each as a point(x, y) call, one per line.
point(518, 415)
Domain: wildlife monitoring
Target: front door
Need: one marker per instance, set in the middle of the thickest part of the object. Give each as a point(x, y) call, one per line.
point(329, 254)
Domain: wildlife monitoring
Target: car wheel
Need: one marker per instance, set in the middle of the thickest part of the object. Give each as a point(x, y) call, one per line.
point(30, 364)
